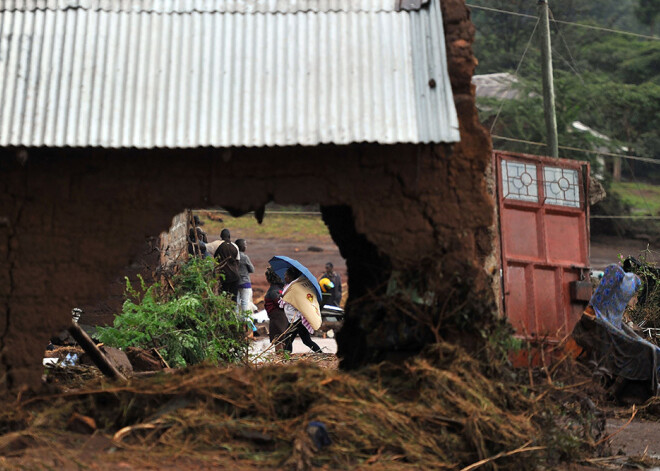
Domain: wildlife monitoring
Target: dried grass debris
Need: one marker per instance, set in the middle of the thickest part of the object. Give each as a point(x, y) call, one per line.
point(437, 411)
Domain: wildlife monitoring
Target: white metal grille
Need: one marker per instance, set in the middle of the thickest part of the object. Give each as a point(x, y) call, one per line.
point(561, 186)
point(519, 181)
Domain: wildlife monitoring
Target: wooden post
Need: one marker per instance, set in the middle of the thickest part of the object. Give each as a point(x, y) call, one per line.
point(94, 353)
point(548, 84)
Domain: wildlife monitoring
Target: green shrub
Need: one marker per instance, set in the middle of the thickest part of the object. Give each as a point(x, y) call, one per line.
point(189, 324)
point(646, 312)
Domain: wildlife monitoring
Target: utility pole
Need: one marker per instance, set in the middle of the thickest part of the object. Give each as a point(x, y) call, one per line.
point(548, 84)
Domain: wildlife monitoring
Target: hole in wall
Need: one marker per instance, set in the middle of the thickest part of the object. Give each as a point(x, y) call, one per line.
point(295, 231)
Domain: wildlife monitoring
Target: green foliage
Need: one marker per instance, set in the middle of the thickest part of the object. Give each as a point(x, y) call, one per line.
point(292, 226)
point(501, 38)
point(188, 326)
point(607, 81)
point(647, 13)
point(644, 199)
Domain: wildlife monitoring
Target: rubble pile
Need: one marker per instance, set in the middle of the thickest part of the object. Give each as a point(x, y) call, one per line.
point(645, 313)
point(437, 411)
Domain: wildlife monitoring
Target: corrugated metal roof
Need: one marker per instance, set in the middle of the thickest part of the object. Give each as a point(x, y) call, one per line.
point(212, 6)
point(76, 75)
point(502, 85)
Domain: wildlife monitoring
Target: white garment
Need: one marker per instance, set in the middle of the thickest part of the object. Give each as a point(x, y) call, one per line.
point(211, 247)
point(244, 300)
point(292, 314)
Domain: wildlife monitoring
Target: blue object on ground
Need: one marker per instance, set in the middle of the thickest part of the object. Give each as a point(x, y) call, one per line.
point(610, 342)
point(251, 324)
point(319, 434)
point(614, 291)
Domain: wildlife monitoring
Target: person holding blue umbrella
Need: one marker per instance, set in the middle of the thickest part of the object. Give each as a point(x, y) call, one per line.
point(300, 301)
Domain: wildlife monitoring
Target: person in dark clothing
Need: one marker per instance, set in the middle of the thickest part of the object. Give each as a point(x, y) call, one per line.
point(278, 321)
point(197, 246)
point(335, 278)
point(297, 328)
point(228, 256)
point(295, 318)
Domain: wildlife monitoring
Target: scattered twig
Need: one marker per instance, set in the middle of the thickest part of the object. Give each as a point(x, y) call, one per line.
point(126, 430)
point(522, 449)
point(161, 358)
point(558, 363)
point(620, 429)
point(543, 364)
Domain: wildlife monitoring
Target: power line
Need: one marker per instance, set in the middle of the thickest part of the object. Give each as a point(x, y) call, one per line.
point(648, 160)
point(513, 13)
point(561, 36)
point(571, 23)
point(522, 58)
point(314, 213)
point(272, 212)
point(625, 217)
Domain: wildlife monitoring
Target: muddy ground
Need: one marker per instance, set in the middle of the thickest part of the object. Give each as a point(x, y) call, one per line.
point(605, 250)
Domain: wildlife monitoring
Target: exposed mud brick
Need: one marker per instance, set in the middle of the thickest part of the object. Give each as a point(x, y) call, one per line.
point(72, 221)
point(119, 360)
point(30, 279)
point(143, 360)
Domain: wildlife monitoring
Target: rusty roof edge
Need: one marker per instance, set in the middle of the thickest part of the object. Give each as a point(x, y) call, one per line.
point(209, 6)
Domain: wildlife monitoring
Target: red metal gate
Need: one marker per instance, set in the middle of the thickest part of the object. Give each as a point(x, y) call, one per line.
point(544, 238)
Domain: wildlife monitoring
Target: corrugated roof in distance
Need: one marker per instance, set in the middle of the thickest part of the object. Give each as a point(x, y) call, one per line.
point(100, 73)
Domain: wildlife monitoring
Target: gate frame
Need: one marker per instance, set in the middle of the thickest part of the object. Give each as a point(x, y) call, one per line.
point(540, 209)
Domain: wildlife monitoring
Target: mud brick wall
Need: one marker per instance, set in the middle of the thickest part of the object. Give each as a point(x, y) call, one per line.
point(173, 242)
point(72, 219)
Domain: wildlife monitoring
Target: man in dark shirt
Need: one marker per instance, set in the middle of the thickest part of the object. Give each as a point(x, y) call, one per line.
point(227, 256)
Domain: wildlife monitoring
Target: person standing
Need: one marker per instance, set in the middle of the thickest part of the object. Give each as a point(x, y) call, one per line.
point(335, 279)
point(228, 257)
point(197, 244)
point(245, 267)
point(278, 323)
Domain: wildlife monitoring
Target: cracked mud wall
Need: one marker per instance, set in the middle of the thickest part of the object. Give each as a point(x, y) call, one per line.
point(71, 220)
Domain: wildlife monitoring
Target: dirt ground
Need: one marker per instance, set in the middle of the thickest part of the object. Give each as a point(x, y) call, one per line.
point(639, 438)
point(605, 250)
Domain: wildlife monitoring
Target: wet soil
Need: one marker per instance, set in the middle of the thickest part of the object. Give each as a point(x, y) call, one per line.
point(605, 250)
point(639, 438)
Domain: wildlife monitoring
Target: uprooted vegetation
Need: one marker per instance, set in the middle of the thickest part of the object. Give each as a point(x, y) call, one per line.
point(646, 311)
point(182, 316)
point(439, 410)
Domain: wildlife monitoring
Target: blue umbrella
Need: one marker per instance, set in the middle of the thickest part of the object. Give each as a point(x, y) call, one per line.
point(280, 263)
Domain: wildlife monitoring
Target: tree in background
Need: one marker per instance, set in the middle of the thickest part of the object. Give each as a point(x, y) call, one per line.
point(607, 81)
point(647, 12)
